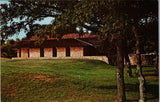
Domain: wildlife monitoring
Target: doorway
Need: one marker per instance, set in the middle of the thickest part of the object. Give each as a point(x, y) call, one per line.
point(67, 52)
point(54, 54)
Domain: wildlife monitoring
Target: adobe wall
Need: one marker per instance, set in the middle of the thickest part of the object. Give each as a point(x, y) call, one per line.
point(18, 53)
point(101, 58)
point(61, 51)
point(24, 52)
point(146, 59)
point(34, 52)
point(48, 52)
point(76, 51)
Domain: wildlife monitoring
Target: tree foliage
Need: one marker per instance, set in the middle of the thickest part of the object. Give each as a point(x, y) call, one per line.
point(22, 14)
point(112, 20)
point(7, 49)
point(100, 17)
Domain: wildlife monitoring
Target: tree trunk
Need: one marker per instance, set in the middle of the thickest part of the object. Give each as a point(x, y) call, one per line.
point(141, 78)
point(127, 62)
point(128, 66)
point(120, 73)
point(157, 63)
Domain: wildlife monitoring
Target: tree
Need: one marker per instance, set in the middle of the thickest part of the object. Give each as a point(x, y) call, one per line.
point(102, 18)
point(150, 29)
point(68, 13)
point(7, 49)
point(110, 19)
point(127, 62)
point(105, 15)
point(128, 45)
point(143, 12)
point(22, 14)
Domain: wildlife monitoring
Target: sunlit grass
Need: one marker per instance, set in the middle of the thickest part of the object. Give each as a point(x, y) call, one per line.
point(67, 81)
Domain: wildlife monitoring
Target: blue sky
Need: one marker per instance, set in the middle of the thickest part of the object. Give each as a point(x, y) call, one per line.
point(22, 34)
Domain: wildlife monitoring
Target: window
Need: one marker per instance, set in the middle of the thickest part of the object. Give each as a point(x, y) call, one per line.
point(19, 52)
point(28, 53)
point(54, 52)
point(41, 52)
point(67, 51)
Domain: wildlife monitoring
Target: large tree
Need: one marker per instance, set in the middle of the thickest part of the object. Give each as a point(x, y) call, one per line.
point(110, 19)
point(22, 14)
point(103, 19)
point(99, 17)
point(141, 10)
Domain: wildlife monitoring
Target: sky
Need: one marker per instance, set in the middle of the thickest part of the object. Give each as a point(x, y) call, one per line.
point(22, 34)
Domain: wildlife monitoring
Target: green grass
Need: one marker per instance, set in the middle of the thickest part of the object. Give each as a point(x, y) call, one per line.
point(68, 81)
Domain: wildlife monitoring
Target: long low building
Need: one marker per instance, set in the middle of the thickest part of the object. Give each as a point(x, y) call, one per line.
point(71, 46)
point(67, 48)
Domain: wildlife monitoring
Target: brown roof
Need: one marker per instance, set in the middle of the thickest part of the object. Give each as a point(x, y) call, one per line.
point(68, 40)
point(69, 36)
point(51, 43)
point(94, 41)
point(76, 35)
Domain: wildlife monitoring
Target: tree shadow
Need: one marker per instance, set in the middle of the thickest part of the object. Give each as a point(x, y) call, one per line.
point(106, 87)
point(150, 89)
point(150, 73)
point(128, 87)
point(149, 70)
point(136, 100)
point(154, 74)
point(132, 87)
point(154, 90)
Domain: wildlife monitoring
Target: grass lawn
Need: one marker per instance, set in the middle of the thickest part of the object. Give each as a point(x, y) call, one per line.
point(69, 81)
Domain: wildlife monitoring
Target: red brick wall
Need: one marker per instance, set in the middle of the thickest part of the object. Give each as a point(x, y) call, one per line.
point(34, 52)
point(61, 51)
point(48, 52)
point(76, 51)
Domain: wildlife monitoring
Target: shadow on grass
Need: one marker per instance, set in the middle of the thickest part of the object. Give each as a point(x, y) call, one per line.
point(132, 87)
point(151, 89)
point(132, 100)
point(155, 74)
point(150, 73)
point(154, 90)
point(107, 87)
point(149, 70)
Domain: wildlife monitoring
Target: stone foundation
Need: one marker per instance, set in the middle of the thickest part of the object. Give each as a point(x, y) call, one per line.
point(101, 58)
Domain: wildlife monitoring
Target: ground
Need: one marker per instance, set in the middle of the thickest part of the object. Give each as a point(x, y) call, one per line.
point(69, 81)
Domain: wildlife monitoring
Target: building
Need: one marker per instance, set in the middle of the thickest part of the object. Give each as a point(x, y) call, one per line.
point(71, 46)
